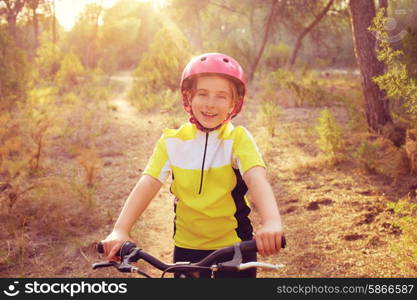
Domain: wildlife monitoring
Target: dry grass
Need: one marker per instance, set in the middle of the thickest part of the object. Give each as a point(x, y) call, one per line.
point(336, 217)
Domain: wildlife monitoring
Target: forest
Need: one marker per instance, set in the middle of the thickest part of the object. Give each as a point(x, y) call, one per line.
point(331, 102)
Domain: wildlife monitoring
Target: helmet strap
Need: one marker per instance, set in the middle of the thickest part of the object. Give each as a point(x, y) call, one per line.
point(194, 120)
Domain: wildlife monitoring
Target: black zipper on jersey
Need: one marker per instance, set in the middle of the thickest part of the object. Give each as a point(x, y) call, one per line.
point(202, 166)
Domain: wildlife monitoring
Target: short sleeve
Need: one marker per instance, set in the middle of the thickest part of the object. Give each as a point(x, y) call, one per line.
point(245, 151)
point(158, 165)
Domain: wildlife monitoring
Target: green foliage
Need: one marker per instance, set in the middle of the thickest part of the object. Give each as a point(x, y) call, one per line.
point(276, 55)
point(396, 81)
point(14, 161)
point(48, 57)
point(54, 214)
point(329, 135)
point(162, 65)
point(70, 74)
point(366, 155)
point(409, 43)
point(91, 163)
point(39, 113)
point(406, 220)
point(83, 39)
point(305, 89)
point(270, 112)
point(144, 100)
point(356, 118)
point(171, 101)
point(94, 87)
point(160, 68)
point(133, 24)
point(12, 148)
point(379, 155)
point(15, 74)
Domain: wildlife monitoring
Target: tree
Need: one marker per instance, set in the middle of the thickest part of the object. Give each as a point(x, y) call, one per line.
point(266, 35)
point(15, 71)
point(245, 27)
point(376, 104)
point(70, 72)
point(127, 30)
point(162, 65)
point(189, 15)
point(306, 30)
point(11, 9)
point(33, 5)
point(396, 81)
point(48, 57)
point(83, 38)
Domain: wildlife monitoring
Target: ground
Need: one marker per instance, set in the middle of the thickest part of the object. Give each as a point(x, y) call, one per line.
point(336, 220)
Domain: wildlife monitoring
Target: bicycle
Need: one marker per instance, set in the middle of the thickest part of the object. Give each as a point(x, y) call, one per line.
point(129, 253)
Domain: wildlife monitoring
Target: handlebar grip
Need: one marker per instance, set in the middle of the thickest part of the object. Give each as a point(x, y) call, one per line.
point(283, 242)
point(250, 246)
point(124, 249)
point(100, 248)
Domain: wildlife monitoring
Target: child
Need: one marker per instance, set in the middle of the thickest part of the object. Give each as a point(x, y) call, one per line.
point(213, 165)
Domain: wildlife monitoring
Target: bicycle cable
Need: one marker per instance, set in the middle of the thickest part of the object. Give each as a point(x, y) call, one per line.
point(195, 268)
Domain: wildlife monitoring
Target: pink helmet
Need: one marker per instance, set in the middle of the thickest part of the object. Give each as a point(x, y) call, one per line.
point(214, 63)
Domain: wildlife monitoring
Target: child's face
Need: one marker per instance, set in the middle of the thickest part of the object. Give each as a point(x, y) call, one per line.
point(213, 100)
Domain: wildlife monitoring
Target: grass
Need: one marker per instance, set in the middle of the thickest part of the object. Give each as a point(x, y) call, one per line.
point(336, 217)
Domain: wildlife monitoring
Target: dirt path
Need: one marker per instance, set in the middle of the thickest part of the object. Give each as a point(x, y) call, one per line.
point(337, 224)
point(136, 138)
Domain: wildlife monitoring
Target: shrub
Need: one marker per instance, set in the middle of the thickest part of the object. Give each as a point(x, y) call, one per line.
point(380, 155)
point(48, 57)
point(91, 163)
point(70, 73)
point(329, 135)
point(270, 113)
point(276, 56)
point(39, 113)
point(406, 220)
point(396, 81)
point(15, 72)
point(44, 218)
point(13, 161)
point(305, 90)
point(366, 155)
point(160, 67)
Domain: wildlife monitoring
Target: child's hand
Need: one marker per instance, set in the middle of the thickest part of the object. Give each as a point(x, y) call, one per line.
point(113, 243)
point(268, 238)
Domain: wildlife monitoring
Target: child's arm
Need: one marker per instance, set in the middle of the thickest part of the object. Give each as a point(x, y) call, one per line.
point(139, 198)
point(268, 238)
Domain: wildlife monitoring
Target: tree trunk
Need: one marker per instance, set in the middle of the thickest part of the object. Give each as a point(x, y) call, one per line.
point(376, 104)
point(383, 4)
point(12, 9)
point(267, 31)
point(54, 32)
point(306, 31)
point(33, 5)
point(35, 27)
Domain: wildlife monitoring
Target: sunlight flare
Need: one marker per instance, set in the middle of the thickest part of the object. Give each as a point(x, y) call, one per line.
point(68, 11)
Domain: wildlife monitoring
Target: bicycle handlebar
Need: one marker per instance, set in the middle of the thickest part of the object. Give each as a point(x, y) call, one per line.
point(245, 246)
point(129, 253)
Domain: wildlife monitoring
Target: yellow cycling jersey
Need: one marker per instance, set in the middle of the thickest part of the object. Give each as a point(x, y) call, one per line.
point(211, 209)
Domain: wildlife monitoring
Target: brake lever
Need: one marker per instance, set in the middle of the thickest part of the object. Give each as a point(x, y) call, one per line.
point(105, 265)
point(232, 265)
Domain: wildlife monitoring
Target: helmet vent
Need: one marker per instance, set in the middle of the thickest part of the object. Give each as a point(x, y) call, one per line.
point(225, 60)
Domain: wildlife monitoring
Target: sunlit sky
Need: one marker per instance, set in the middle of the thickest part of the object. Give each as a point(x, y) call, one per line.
point(67, 11)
